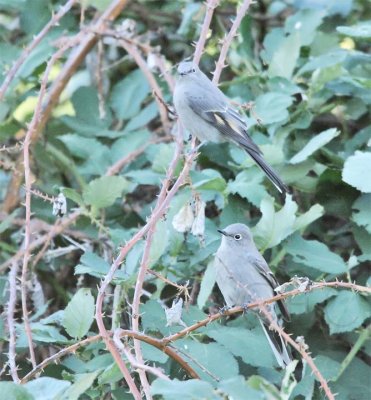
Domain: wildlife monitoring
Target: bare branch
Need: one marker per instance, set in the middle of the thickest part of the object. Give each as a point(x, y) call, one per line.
point(210, 6)
point(228, 39)
point(10, 318)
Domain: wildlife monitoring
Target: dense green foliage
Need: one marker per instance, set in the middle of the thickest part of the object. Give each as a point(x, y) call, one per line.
point(306, 68)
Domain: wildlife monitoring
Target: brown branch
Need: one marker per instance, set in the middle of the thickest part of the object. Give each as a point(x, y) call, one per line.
point(228, 39)
point(57, 356)
point(37, 39)
point(27, 175)
point(210, 6)
point(10, 318)
point(257, 304)
point(76, 57)
point(133, 361)
point(300, 348)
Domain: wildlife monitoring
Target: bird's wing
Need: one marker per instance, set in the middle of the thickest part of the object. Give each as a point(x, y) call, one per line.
point(262, 267)
point(217, 112)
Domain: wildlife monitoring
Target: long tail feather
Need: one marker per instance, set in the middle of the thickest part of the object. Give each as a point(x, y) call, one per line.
point(274, 178)
point(278, 346)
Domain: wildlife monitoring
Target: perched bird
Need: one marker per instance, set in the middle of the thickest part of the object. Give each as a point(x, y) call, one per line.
point(207, 113)
point(243, 276)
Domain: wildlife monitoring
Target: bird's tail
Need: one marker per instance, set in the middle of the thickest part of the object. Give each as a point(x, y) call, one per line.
point(274, 178)
point(278, 346)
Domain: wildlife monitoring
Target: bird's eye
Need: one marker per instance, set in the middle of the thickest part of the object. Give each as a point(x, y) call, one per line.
point(193, 70)
point(238, 237)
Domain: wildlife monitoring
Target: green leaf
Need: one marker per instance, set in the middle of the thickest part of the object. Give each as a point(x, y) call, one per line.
point(128, 95)
point(362, 214)
point(79, 313)
point(238, 388)
point(285, 58)
point(46, 388)
point(346, 312)
point(159, 243)
point(360, 30)
point(305, 302)
point(274, 227)
point(81, 384)
point(243, 343)
point(356, 168)
point(183, 390)
point(314, 144)
point(207, 284)
point(272, 107)
point(315, 212)
point(315, 254)
point(324, 61)
point(12, 391)
point(128, 143)
point(305, 23)
point(248, 184)
point(213, 356)
point(73, 195)
point(103, 192)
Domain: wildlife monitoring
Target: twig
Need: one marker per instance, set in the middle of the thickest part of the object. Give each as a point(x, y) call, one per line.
point(37, 39)
point(27, 175)
point(118, 165)
point(301, 349)
point(257, 304)
point(210, 6)
point(87, 41)
point(57, 356)
point(135, 363)
point(228, 39)
point(10, 318)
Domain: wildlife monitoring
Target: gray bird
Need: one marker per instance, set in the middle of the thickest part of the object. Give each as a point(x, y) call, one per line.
point(243, 276)
point(207, 113)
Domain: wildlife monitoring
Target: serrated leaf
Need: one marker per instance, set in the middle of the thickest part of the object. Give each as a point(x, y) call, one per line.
point(315, 212)
point(346, 312)
point(82, 383)
point(248, 184)
point(243, 343)
point(274, 227)
point(316, 255)
point(213, 356)
point(356, 168)
point(79, 313)
point(314, 144)
point(103, 192)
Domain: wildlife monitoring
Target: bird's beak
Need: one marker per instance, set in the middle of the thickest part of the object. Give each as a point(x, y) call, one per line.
point(224, 233)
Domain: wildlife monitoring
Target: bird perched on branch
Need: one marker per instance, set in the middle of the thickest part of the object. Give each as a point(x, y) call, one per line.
point(243, 276)
point(208, 114)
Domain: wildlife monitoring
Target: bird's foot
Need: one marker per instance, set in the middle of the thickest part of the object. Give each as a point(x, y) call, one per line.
point(245, 307)
point(224, 309)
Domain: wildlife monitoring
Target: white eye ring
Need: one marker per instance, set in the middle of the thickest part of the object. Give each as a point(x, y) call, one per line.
point(238, 236)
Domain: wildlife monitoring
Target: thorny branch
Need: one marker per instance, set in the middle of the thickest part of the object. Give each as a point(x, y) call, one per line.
point(163, 344)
